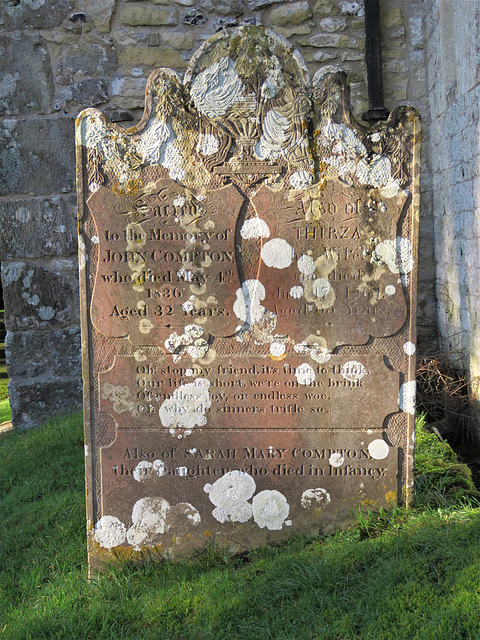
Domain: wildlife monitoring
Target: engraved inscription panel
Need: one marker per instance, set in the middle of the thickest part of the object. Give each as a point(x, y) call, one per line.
point(323, 267)
point(250, 489)
point(249, 393)
point(165, 258)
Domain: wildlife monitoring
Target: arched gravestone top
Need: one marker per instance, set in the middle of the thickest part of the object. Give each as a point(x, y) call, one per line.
point(248, 268)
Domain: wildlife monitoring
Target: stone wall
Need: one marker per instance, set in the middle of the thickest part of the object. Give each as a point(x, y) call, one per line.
point(63, 55)
point(453, 66)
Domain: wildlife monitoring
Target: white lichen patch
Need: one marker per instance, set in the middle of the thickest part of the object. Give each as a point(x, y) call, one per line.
point(198, 349)
point(173, 160)
point(277, 350)
point(145, 326)
point(353, 371)
point(301, 179)
point(22, 215)
point(82, 253)
point(109, 532)
point(187, 406)
point(45, 313)
point(316, 351)
point(275, 136)
point(318, 498)
point(157, 146)
point(146, 470)
point(277, 253)
point(391, 189)
point(208, 144)
point(148, 522)
point(33, 300)
point(254, 228)
point(241, 512)
point(187, 306)
point(321, 287)
point(342, 140)
point(305, 374)
point(390, 290)
point(270, 509)
point(247, 306)
point(217, 88)
point(143, 471)
point(351, 159)
point(306, 265)
point(407, 397)
point(230, 495)
point(336, 459)
point(274, 82)
point(95, 133)
point(118, 395)
point(296, 292)
point(151, 143)
point(409, 348)
point(191, 339)
point(397, 255)
point(378, 449)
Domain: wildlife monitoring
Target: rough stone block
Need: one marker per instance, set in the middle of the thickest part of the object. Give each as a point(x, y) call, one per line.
point(40, 296)
point(415, 24)
point(37, 155)
point(177, 40)
point(392, 18)
point(128, 92)
point(233, 8)
point(255, 5)
point(25, 79)
point(324, 56)
point(36, 227)
point(294, 30)
point(89, 92)
point(323, 8)
point(194, 17)
point(353, 8)
point(294, 13)
point(100, 12)
point(321, 40)
point(37, 14)
point(137, 16)
point(34, 403)
point(87, 58)
point(33, 354)
point(333, 24)
point(151, 57)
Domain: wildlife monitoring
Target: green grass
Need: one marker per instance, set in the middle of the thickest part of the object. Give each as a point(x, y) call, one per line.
point(5, 411)
point(402, 574)
point(3, 385)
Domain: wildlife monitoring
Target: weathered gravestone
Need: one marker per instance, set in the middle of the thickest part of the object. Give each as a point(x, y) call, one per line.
point(247, 257)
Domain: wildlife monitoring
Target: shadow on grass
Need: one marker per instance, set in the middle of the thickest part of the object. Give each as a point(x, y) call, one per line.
point(416, 576)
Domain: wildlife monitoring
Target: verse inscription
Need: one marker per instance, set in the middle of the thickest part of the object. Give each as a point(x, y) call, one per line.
point(250, 393)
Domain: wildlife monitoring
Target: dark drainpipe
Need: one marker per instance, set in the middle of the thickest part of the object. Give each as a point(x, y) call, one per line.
point(373, 55)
